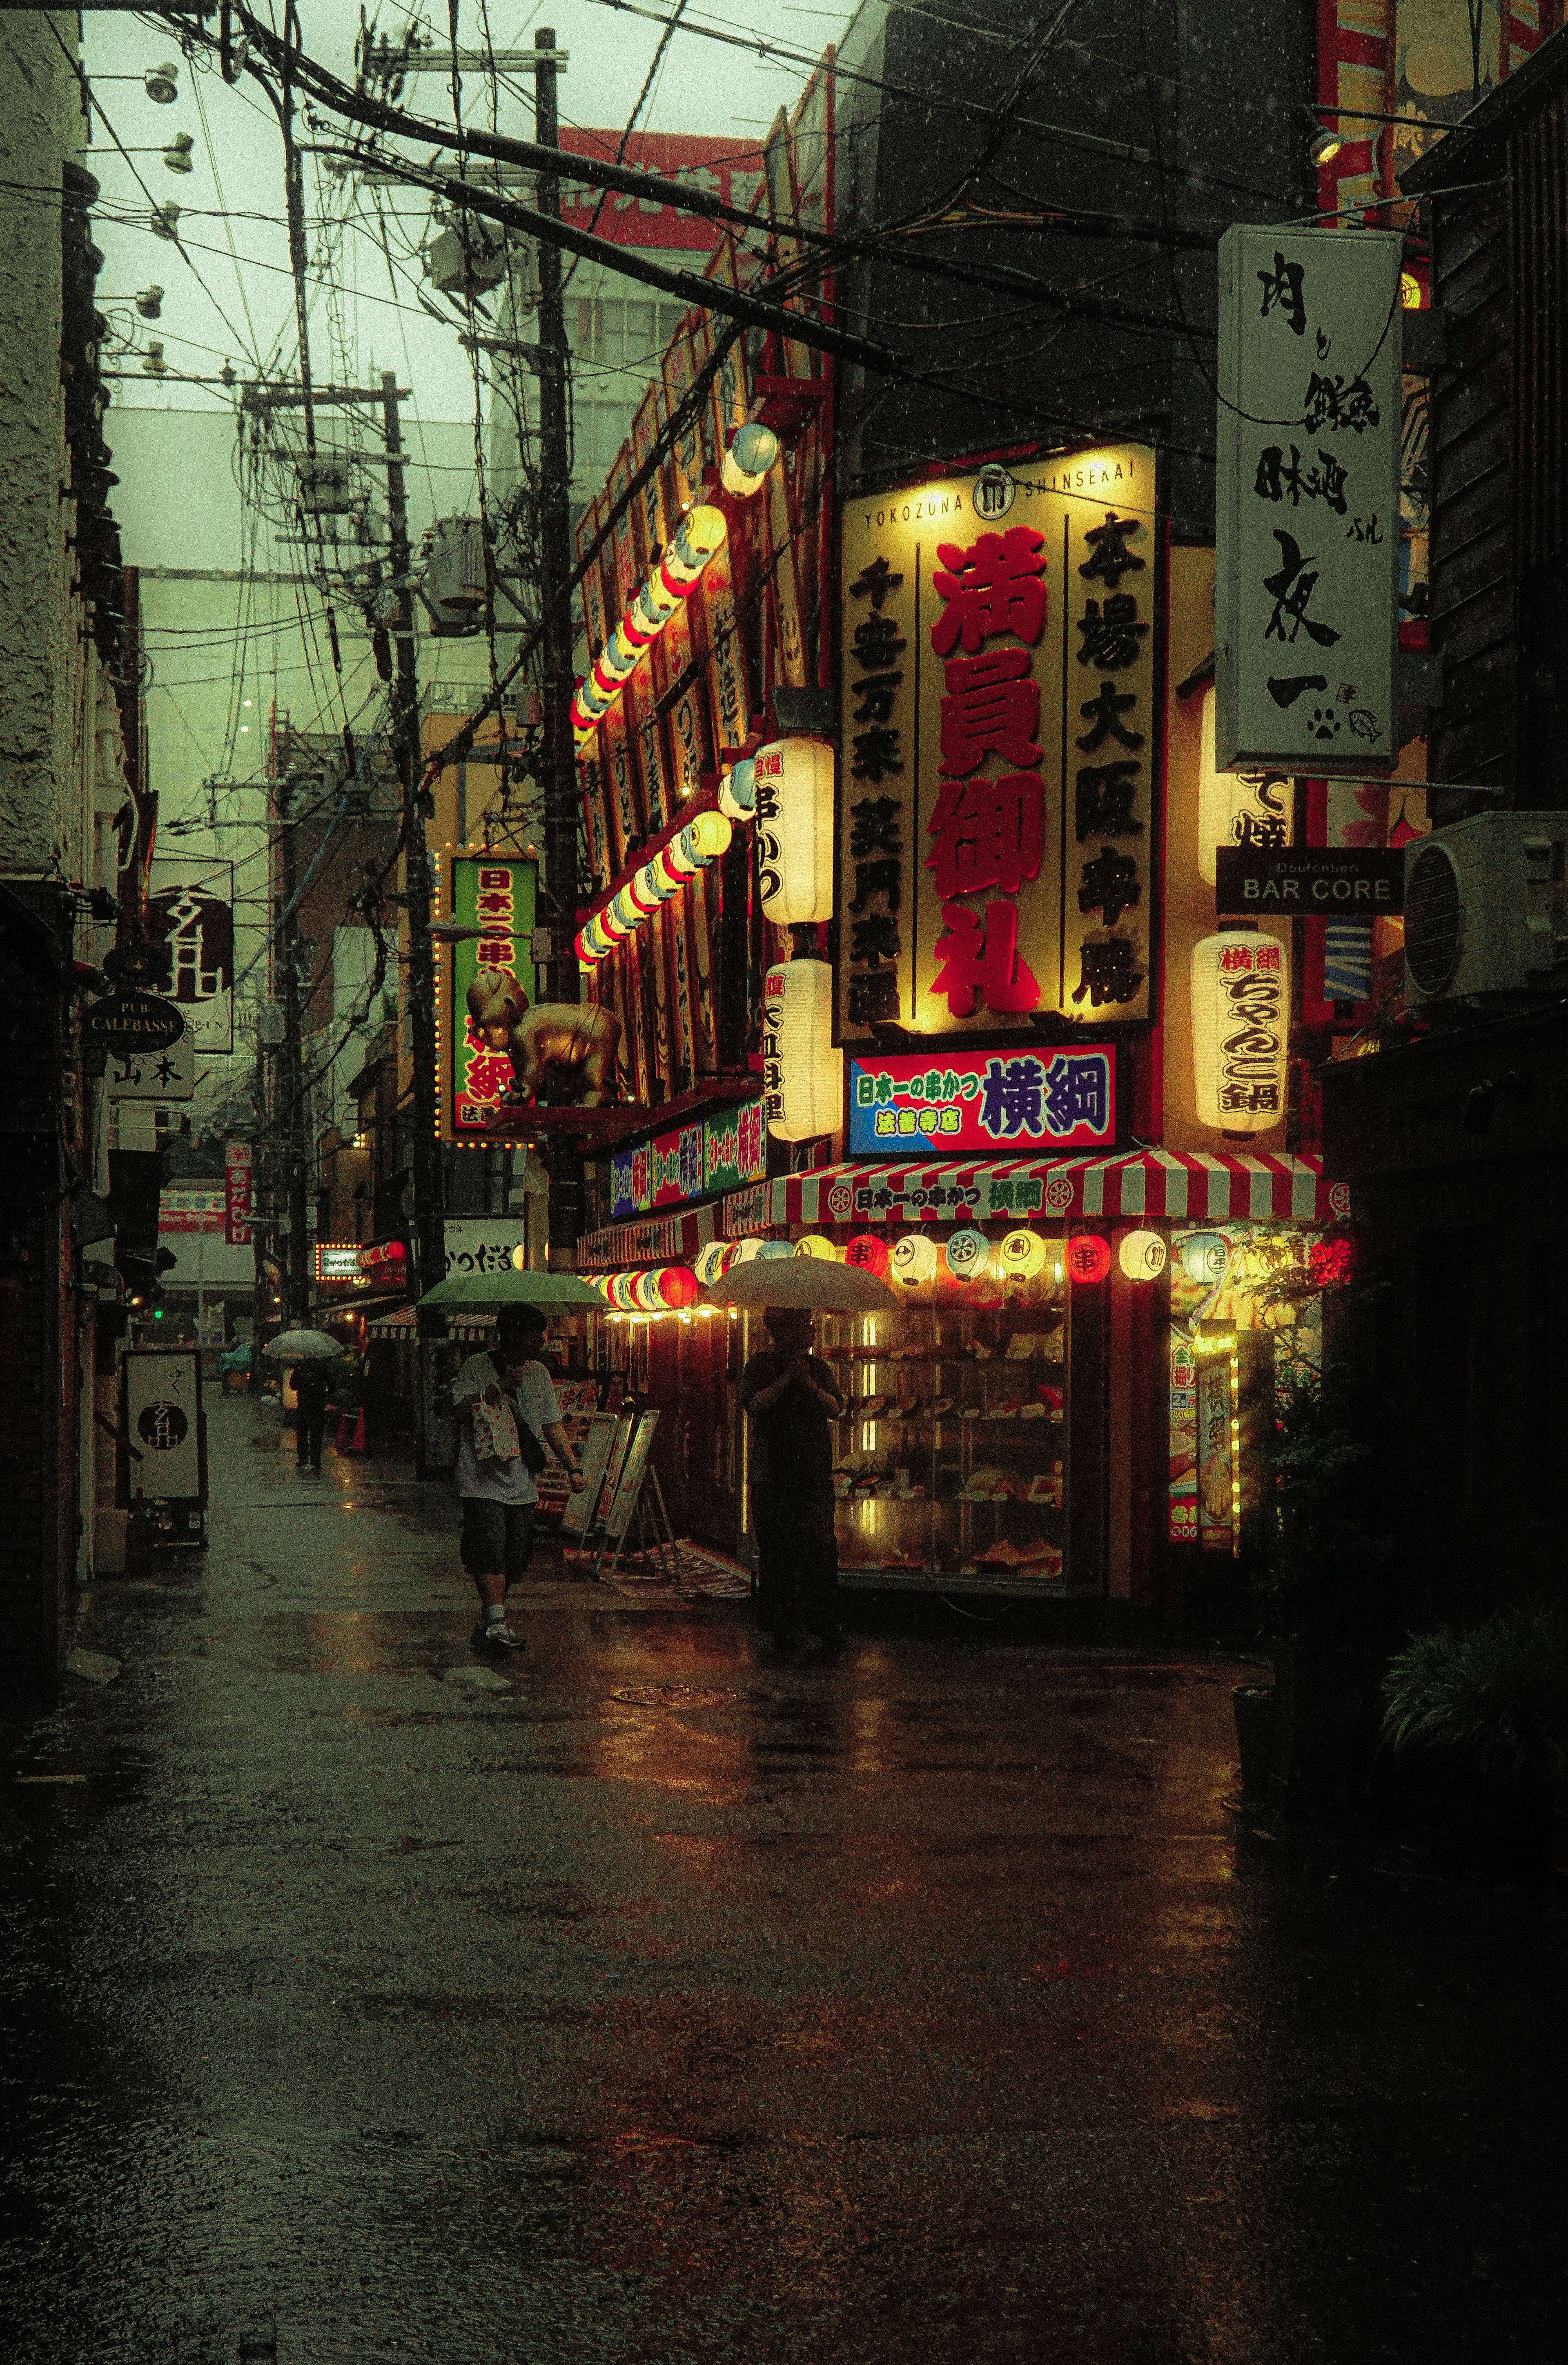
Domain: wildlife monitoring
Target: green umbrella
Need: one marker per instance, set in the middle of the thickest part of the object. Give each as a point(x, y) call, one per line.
point(476, 1289)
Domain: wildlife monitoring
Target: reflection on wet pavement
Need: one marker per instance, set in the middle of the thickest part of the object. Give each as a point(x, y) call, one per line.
point(666, 2000)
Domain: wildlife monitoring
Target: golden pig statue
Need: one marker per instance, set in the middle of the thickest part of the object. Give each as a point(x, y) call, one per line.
point(584, 1037)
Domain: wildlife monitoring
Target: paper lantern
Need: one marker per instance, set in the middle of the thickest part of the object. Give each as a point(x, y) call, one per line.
point(766, 1248)
point(802, 1073)
point(1241, 1009)
point(1022, 1255)
point(1206, 1258)
point(1142, 1255)
point(709, 1263)
point(702, 533)
point(914, 1258)
point(746, 1251)
point(623, 1293)
point(1088, 1257)
point(794, 830)
point(968, 1255)
point(699, 843)
point(647, 1294)
point(1235, 808)
point(703, 530)
point(814, 1245)
point(676, 1286)
point(737, 791)
point(869, 1253)
point(752, 453)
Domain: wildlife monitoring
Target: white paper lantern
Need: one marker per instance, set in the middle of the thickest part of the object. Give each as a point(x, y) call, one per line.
point(1022, 1255)
point(709, 1263)
point(1142, 1255)
point(803, 1074)
point(748, 459)
point(817, 1244)
point(794, 830)
point(914, 1258)
point(1241, 1009)
point(737, 791)
point(969, 1255)
point(1235, 808)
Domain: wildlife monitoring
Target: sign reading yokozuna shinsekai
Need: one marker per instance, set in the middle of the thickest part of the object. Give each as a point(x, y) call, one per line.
point(999, 746)
point(1307, 502)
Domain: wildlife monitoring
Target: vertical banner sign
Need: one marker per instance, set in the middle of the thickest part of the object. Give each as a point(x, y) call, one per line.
point(1307, 516)
point(1215, 1467)
point(491, 983)
point(999, 747)
point(725, 678)
point(193, 902)
point(236, 1175)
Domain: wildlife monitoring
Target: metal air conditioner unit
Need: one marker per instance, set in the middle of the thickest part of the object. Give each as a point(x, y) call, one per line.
point(1487, 910)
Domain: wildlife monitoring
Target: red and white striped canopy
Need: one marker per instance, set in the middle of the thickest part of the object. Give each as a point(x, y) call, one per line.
point(1146, 1183)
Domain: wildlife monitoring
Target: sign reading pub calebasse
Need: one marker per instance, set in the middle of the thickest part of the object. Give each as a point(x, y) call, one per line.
point(999, 747)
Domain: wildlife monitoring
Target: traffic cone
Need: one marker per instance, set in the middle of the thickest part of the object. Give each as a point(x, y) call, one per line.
point(342, 1436)
point(357, 1444)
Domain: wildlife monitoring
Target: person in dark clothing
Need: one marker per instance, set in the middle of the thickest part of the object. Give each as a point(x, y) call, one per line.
point(789, 1398)
point(310, 1383)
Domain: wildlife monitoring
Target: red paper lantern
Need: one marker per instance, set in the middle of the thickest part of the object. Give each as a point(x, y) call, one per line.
point(869, 1253)
point(1088, 1257)
point(678, 1285)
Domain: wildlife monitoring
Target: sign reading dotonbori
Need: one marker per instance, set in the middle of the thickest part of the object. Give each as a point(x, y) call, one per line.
point(238, 1169)
point(1307, 515)
point(1059, 1098)
point(999, 747)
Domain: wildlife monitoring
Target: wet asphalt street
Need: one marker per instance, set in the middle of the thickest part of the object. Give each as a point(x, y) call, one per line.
point(927, 2005)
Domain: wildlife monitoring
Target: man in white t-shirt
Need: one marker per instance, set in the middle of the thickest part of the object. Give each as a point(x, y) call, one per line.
point(499, 1495)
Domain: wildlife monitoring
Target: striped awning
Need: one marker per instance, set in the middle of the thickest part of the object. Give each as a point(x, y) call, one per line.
point(1148, 1183)
point(403, 1323)
point(650, 1239)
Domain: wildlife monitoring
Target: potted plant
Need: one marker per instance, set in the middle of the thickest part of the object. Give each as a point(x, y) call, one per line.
point(1486, 1707)
point(1318, 1547)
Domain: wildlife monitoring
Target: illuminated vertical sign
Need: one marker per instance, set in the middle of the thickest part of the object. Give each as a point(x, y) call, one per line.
point(490, 986)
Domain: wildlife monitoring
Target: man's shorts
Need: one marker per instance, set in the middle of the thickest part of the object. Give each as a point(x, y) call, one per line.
point(496, 1536)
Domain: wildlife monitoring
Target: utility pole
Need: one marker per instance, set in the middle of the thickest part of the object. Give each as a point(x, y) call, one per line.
point(430, 1242)
point(555, 524)
point(297, 1269)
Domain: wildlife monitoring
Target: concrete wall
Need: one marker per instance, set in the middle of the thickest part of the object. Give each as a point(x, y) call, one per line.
point(40, 127)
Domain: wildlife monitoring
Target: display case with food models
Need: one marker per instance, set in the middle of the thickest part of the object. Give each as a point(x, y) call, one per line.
point(952, 1456)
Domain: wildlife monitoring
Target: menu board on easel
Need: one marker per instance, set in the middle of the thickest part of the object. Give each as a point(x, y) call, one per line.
point(622, 1502)
point(594, 1453)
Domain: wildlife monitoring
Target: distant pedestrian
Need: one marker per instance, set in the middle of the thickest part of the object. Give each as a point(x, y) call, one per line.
point(309, 1382)
point(505, 1404)
point(791, 1401)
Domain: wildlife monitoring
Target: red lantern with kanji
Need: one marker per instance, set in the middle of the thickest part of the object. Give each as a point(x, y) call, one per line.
point(1088, 1257)
point(869, 1253)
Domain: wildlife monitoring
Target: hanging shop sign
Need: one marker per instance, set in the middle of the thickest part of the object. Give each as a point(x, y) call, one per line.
point(1241, 1007)
point(1216, 1452)
point(238, 1169)
point(191, 909)
point(1251, 809)
point(335, 1260)
point(713, 1153)
point(999, 747)
point(478, 1244)
point(1331, 882)
point(487, 1052)
point(164, 1075)
point(984, 1101)
point(388, 1260)
point(792, 783)
point(1307, 516)
point(132, 1024)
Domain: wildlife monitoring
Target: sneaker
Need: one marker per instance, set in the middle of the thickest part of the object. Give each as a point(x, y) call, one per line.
point(498, 1637)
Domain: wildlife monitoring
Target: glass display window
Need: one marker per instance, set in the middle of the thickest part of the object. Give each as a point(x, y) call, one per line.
point(953, 1455)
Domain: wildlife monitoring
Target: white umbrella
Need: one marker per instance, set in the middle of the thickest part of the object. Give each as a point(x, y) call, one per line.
point(302, 1347)
point(803, 1281)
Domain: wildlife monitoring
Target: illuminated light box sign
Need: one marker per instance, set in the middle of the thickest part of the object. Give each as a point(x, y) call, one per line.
point(716, 1153)
point(1060, 1098)
point(483, 1052)
point(337, 1261)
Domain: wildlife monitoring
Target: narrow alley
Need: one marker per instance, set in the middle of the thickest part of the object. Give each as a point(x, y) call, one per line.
point(649, 2000)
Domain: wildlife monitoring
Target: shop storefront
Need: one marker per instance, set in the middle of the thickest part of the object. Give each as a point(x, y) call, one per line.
point(1071, 1385)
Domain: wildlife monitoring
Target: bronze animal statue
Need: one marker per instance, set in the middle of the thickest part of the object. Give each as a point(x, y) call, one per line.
point(583, 1036)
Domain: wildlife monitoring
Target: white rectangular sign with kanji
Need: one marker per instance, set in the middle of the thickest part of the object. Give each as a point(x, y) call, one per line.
point(192, 910)
point(1307, 592)
point(165, 1075)
point(999, 747)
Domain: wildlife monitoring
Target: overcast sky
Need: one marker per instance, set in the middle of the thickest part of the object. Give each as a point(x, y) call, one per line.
point(233, 299)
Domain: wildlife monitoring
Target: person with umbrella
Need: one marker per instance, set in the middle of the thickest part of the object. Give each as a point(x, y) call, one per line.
point(308, 1353)
point(789, 1398)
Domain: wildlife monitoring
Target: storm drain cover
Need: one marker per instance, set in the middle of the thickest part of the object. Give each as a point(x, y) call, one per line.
point(675, 1696)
